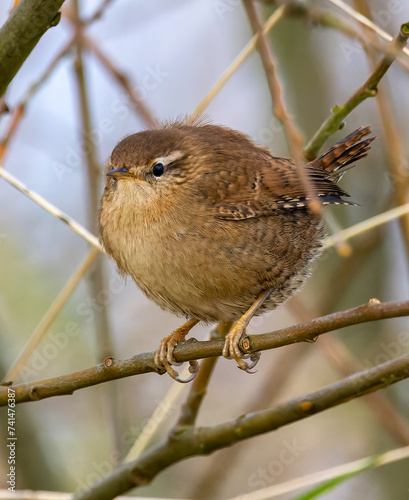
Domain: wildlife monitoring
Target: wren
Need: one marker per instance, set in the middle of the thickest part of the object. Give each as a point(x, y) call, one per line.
point(212, 226)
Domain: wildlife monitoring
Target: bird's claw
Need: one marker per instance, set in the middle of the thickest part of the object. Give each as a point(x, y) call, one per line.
point(232, 349)
point(193, 369)
point(164, 358)
point(254, 358)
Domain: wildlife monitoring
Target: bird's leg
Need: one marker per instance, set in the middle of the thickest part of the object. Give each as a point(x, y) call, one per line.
point(231, 347)
point(164, 355)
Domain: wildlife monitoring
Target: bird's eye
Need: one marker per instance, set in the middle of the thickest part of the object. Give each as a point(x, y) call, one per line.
point(158, 170)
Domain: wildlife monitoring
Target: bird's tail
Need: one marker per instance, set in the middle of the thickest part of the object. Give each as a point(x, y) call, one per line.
point(344, 153)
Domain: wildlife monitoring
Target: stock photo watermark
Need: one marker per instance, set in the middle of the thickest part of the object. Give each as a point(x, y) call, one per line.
point(389, 350)
point(121, 108)
point(382, 18)
point(223, 7)
point(267, 134)
point(129, 437)
point(264, 477)
point(57, 342)
point(11, 440)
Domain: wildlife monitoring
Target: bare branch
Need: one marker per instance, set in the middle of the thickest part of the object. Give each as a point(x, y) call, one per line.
point(292, 134)
point(235, 65)
point(365, 21)
point(21, 32)
point(337, 472)
point(139, 105)
point(112, 369)
point(366, 225)
point(369, 89)
point(52, 209)
point(204, 440)
point(51, 315)
point(329, 19)
point(198, 389)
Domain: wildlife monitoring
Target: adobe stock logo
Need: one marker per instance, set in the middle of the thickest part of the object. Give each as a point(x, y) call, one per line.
point(225, 6)
point(266, 476)
point(382, 18)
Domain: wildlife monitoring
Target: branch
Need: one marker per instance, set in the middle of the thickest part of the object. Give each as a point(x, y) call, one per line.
point(98, 13)
point(345, 362)
point(139, 105)
point(328, 19)
point(204, 440)
point(51, 209)
point(292, 134)
point(112, 369)
point(394, 143)
point(20, 108)
point(327, 477)
point(369, 89)
point(190, 408)
point(235, 65)
point(365, 21)
point(50, 316)
point(362, 227)
point(21, 32)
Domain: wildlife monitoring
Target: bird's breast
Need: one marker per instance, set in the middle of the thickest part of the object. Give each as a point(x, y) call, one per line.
point(192, 263)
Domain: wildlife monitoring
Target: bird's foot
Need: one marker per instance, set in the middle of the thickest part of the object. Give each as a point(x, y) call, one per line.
point(164, 355)
point(232, 349)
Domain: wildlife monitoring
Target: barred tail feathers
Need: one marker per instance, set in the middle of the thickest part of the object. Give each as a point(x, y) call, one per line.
point(344, 153)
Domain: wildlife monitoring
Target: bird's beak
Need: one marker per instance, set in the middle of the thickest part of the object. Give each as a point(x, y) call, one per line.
point(118, 172)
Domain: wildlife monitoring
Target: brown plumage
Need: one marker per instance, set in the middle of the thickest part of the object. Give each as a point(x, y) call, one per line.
point(222, 224)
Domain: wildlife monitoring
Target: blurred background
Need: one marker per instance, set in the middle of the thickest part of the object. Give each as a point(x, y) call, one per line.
point(168, 55)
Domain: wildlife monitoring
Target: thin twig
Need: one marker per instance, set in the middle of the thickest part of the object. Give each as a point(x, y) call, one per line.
point(48, 71)
point(198, 389)
point(140, 107)
point(309, 331)
point(344, 361)
point(190, 408)
point(349, 267)
point(20, 108)
point(344, 470)
point(51, 209)
point(276, 380)
point(293, 136)
point(112, 369)
point(365, 21)
point(369, 89)
point(366, 225)
point(104, 344)
point(50, 316)
point(204, 440)
point(18, 114)
point(98, 13)
point(394, 144)
point(93, 169)
point(329, 19)
point(383, 408)
point(235, 65)
point(3, 106)
point(159, 415)
point(105, 347)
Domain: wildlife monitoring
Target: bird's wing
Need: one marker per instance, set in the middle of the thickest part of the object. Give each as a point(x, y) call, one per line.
point(274, 184)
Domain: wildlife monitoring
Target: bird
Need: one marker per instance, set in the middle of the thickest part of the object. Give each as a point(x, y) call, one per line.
point(212, 226)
